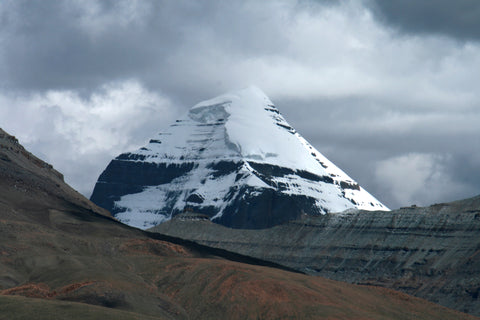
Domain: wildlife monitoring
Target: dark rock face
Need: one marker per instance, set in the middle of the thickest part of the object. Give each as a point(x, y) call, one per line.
point(251, 211)
point(123, 177)
point(246, 207)
point(432, 253)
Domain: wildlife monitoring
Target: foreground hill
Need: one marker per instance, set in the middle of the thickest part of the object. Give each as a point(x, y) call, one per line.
point(432, 252)
point(60, 258)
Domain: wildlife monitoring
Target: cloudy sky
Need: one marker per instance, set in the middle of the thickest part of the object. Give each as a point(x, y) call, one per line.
point(387, 90)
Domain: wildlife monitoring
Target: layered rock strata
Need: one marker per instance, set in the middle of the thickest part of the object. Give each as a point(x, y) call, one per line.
point(431, 252)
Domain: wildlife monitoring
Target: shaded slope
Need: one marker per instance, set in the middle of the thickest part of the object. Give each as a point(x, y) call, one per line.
point(432, 252)
point(58, 257)
point(25, 172)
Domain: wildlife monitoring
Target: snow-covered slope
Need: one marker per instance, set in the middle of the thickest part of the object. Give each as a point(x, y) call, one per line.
point(234, 158)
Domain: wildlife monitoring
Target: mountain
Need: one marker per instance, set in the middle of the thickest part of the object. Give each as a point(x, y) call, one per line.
point(233, 158)
point(431, 252)
point(62, 257)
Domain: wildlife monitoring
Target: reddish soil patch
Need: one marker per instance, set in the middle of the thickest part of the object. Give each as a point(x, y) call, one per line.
point(153, 247)
point(30, 290)
point(74, 286)
point(41, 290)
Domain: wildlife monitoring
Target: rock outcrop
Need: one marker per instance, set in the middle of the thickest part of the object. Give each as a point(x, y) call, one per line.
point(431, 252)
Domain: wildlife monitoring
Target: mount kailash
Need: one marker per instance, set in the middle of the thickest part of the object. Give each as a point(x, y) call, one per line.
point(234, 159)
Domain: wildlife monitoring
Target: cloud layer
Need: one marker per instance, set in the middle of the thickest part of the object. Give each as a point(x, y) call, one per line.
point(419, 178)
point(81, 135)
point(386, 98)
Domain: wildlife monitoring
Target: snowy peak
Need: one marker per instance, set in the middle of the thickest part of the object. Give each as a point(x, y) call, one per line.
point(234, 158)
point(254, 127)
point(227, 124)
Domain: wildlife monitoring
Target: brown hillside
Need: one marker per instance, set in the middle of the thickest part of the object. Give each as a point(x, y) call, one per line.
point(61, 258)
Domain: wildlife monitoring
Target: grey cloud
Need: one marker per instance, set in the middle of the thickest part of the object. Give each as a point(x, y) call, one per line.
point(49, 49)
point(63, 45)
point(79, 135)
point(457, 19)
point(350, 132)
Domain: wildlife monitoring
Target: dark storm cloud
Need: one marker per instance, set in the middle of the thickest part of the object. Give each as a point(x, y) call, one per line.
point(458, 19)
point(75, 44)
point(50, 47)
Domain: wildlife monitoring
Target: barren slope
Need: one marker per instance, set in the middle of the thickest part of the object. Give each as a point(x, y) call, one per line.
point(432, 252)
point(60, 258)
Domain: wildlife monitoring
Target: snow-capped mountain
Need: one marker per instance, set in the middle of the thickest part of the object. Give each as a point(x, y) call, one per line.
point(234, 158)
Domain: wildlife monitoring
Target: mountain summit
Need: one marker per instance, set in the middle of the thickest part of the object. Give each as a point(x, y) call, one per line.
point(233, 158)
